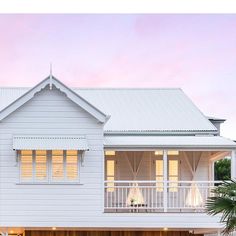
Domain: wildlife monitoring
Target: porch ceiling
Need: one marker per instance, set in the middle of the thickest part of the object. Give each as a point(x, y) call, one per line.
point(178, 142)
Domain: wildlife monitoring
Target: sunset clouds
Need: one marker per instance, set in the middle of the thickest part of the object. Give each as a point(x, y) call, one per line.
point(194, 52)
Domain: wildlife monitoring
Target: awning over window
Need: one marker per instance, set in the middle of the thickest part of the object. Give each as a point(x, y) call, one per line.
point(25, 142)
point(194, 142)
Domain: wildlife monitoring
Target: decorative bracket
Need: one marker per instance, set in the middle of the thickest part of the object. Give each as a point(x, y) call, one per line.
point(82, 158)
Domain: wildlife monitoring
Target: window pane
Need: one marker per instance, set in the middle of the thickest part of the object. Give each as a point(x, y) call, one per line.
point(57, 152)
point(26, 152)
point(71, 153)
point(26, 165)
point(159, 167)
point(71, 159)
point(26, 171)
point(41, 165)
point(72, 167)
point(72, 172)
point(57, 159)
point(26, 159)
point(57, 165)
point(110, 167)
point(173, 167)
point(41, 152)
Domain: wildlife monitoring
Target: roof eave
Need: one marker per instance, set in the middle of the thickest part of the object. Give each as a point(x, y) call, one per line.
point(99, 115)
point(178, 147)
point(161, 132)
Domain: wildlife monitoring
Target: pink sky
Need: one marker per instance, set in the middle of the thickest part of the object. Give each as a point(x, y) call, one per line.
point(194, 52)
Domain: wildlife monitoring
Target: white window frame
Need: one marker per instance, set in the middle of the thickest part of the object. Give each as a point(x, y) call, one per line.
point(111, 188)
point(49, 179)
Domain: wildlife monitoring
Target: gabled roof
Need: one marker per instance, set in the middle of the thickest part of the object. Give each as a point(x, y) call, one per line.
point(163, 110)
point(49, 81)
point(135, 111)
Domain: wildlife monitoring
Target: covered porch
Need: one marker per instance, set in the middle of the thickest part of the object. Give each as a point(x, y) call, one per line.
point(169, 179)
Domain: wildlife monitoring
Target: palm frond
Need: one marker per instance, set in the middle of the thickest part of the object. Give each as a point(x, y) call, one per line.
point(224, 202)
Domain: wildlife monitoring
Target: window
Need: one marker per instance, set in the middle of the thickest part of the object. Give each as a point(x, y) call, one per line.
point(57, 165)
point(110, 174)
point(159, 175)
point(26, 167)
point(173, 174)
point(71, 165)
point(49, 166)
point(41, 172)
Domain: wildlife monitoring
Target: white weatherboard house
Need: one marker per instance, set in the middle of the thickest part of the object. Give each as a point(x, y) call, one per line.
point(97, 161)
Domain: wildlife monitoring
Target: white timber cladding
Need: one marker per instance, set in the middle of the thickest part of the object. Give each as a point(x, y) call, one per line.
point(62, 142)
point(51, 113)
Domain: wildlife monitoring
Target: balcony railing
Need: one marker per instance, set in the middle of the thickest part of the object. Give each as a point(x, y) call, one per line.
point(157, 196)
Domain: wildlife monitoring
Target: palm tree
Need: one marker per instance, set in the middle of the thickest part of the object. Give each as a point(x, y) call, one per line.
point(223, 202)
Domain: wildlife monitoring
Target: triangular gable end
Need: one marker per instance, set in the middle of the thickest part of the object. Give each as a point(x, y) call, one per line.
point(80, 101)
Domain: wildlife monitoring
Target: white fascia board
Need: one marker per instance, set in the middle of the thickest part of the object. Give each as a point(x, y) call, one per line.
point(161, 132)
point(153, 147)
point(100, 116)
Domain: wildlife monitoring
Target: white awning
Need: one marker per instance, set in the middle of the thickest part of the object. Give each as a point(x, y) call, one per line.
point(25, 142)
point(181, 142)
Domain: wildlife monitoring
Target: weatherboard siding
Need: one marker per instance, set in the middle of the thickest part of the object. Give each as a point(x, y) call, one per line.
point(52, 113)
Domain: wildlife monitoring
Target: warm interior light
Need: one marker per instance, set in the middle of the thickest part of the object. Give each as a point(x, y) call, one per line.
point(159, 152)
point(165, 229)
point(110, 153)
point(11, 231)
point(54, 228)
point(173, 153)
point(170, 152)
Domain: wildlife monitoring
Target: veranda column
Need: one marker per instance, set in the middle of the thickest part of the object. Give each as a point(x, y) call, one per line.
point(165, 179)
point(233, 165)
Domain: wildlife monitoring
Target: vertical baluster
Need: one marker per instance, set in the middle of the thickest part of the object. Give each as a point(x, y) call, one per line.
point(118, 196)
point(184, 202)
point(107, 200)
point(144, 192)
point(126, 195)
point(115, 192)
point(122, 197)
point(152, 198)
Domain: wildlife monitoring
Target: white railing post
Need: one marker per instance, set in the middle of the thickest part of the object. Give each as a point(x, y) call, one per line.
point(165, 179)
point(233, 165)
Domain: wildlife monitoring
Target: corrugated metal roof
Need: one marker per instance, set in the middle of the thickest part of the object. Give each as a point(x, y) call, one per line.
point(9, 95)
point(137, 110)
point(147, 109)
point(25, 142)
point(168, 142)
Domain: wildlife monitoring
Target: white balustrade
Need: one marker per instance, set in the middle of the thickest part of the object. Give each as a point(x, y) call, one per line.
point(147, 196)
